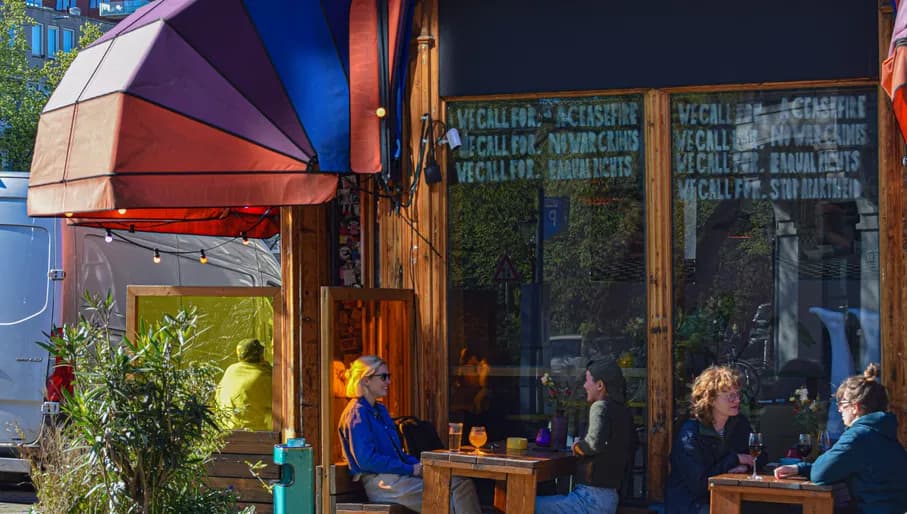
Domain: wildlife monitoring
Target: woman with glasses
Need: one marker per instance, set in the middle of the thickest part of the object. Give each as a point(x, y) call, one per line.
point(868, 456)
point(373, 450)
point(714, 441)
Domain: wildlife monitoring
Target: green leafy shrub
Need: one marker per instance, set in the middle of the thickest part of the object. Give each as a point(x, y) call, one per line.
point(139, 425)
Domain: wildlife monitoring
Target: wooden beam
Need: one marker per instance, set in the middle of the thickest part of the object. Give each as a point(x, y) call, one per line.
point(305, 267)
point(893, 298)
point(659, 289)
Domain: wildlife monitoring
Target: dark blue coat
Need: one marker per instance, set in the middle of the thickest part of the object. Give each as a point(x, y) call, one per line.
point(698, 453)
point(869, 458)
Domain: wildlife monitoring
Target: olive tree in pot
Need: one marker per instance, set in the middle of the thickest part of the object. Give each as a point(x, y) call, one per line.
point(139, 426)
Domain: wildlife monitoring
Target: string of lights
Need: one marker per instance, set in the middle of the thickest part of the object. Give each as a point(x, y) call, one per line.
point(111, 234)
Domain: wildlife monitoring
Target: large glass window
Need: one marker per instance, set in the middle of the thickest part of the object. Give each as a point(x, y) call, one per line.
point(776, 246)
point(546, 258)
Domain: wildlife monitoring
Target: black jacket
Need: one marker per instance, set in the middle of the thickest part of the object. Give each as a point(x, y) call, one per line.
point(698, 453)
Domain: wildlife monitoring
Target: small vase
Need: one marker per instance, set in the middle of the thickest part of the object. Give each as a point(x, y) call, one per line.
point(543, 437)
point(559, 431)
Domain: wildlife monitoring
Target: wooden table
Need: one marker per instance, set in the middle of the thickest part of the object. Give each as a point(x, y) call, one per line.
point(516, 473)
point(729, 490)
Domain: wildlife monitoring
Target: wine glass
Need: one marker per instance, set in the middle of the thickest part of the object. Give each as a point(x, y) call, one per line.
point(824, 441)
point(755, 444)
point(477, 437)
point(804, 445)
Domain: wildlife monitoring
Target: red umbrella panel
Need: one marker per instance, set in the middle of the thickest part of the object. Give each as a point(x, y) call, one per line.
point(894, 71)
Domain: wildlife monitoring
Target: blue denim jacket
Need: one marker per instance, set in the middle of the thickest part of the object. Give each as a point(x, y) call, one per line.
point(370, 441)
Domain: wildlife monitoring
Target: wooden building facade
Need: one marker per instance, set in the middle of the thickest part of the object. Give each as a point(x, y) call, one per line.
point(659, 185)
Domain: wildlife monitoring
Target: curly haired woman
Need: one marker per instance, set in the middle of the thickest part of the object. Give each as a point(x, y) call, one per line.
point(712, 442)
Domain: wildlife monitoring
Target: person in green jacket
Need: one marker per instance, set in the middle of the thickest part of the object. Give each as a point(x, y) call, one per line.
point(605, 453)
point(868, 456)
point(244, 393)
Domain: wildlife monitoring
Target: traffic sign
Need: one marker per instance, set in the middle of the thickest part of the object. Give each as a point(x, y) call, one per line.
point(505, 271)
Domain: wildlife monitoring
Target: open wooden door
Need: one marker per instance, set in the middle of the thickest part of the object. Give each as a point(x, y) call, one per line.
point(356, 322)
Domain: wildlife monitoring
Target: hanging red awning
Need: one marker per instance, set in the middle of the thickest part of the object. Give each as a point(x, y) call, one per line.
point(257, 222)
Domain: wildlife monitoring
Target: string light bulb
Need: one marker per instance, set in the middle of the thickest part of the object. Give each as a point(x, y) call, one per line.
point(204, 258)
point(121, 211)
point(380, 112)
point(157, 256)
point(108, 237)
point(245, 239)
point(68, 214)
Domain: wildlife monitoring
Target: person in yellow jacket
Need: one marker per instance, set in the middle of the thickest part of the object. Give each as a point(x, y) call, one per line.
point(245, 390)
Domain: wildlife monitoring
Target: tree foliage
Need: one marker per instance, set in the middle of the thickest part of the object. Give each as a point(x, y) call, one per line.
point(25, 89)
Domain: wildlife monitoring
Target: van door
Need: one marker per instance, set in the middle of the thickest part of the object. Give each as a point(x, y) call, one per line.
point(29, 305)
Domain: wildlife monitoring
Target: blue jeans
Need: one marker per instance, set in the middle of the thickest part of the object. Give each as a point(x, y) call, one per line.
point(407, 491)
point(582, 500)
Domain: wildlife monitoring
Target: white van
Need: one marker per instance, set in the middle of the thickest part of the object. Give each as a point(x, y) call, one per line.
point(47, 265)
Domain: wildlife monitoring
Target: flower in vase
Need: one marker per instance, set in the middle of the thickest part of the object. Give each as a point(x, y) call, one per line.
point(810, 414)
point(555, 392)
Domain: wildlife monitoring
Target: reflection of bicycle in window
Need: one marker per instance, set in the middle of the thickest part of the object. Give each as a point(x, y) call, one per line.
point(736, 347)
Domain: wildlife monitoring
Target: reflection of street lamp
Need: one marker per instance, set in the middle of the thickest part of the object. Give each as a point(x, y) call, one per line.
point(532, 346)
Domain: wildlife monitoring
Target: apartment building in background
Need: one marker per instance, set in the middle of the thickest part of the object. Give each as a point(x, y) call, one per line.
point(58, 22)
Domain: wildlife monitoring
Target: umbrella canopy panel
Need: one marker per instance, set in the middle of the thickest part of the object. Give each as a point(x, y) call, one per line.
point(894, 70)
point(221, 103)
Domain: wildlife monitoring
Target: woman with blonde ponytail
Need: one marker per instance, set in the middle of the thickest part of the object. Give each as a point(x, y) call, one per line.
point(868, 456)
point(372, 448)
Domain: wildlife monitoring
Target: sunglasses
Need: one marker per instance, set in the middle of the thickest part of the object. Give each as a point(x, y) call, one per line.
point(383, 376)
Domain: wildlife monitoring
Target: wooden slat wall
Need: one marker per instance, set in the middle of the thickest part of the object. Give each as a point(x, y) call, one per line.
point(413, 243)
point(892, 241)
point(229, 468)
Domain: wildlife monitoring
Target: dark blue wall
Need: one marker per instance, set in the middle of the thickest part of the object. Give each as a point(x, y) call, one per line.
point(515, 46)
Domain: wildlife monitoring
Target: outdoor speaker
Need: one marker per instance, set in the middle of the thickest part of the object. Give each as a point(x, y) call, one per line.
point(432, 172)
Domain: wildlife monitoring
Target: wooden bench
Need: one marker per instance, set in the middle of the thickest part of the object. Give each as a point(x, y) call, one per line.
point(229, 469)
point(347, 496)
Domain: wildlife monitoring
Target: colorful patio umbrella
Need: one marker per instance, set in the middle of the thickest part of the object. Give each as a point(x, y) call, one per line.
point(196, 111)
point(894, 70)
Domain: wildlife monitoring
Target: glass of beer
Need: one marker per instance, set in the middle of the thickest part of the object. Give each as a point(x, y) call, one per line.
point(477, 437)
point(454, 436)
point(755, 444)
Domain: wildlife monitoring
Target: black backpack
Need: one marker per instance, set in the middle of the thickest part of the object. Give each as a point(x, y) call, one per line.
point(417, 435)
